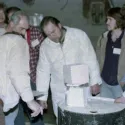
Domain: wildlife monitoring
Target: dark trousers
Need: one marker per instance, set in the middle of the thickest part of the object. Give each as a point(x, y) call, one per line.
point(20, 119)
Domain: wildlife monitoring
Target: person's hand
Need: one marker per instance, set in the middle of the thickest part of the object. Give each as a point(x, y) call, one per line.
point(95, 89)
point(35, 107)
point(120, 100)
point(43, 104)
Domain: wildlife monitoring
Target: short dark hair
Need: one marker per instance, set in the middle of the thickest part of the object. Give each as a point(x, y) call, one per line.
point(12, 9)
point(118, 15)
point(48, 19)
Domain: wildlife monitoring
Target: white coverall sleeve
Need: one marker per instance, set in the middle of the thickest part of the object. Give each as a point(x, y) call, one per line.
point(18, 69)
point(98, 49)
point(123, 94)
point(43, 75)
point(90, 60)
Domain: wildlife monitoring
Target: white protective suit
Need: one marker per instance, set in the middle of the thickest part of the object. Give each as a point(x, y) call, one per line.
point(76, 49)
point(14, 71)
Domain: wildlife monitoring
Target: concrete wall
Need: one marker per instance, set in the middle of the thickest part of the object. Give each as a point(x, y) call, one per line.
point(71, 15)
point(118, 2)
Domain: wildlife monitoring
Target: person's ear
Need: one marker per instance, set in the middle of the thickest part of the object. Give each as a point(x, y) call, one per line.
point(11, 24)
point(59, 25)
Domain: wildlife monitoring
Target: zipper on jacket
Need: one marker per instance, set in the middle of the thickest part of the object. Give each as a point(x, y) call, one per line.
point(64, 59)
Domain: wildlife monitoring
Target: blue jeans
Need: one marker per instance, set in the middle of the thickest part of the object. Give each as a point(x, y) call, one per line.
point(109, 91)
point(20, 119)
point(10, 116)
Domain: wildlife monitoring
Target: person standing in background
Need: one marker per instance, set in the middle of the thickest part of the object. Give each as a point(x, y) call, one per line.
point(34, 39)
point(111, 54)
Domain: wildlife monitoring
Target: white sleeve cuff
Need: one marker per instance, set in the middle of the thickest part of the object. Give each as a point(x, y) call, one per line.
point(123, 94)
point(43, 98)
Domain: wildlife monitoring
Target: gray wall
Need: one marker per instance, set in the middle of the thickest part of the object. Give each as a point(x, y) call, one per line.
point(71, 15)
point(118, 2)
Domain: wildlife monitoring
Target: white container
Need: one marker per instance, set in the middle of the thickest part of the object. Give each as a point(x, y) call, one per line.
point(77, 96)
point(76, 74)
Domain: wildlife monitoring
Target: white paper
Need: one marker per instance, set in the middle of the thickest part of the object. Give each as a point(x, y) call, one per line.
point(75, 97)
point(116, 51)
point(34, 43)
point(102, 99)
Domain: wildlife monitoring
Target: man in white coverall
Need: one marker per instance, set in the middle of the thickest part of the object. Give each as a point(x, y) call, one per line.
point(63, 46)
point(14, 77)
